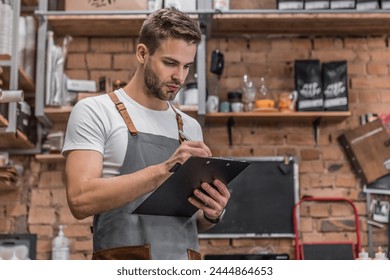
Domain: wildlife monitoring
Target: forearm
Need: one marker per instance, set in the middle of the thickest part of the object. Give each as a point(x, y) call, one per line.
point(89, 194)
point(97, 195)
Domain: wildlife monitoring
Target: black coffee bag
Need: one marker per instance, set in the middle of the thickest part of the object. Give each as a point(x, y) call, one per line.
point(308, 84)
point(335, 85)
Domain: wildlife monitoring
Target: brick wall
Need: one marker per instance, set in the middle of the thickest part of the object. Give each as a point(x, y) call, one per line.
point(39, 205)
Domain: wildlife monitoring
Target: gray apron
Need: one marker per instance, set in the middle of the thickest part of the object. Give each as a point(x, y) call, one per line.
point(168, 237)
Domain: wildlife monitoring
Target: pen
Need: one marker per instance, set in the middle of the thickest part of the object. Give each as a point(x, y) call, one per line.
point(181, 132)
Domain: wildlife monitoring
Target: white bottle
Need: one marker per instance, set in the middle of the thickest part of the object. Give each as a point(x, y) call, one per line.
point(380, 255)
point(363, 255)
point(61, 244)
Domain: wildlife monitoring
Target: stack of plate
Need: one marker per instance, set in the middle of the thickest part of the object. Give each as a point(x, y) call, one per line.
point(6, 17)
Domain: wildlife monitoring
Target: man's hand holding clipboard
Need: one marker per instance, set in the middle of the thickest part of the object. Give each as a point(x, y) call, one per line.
point(198, 182)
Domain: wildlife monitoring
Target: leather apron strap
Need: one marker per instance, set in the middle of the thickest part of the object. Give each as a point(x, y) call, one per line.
point(122, 110)
point(129, 123)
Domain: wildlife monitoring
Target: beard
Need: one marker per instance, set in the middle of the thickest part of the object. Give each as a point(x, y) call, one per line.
point(153, 85)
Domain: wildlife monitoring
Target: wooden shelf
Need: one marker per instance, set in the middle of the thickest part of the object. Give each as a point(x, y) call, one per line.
point(96, 25)
point(26, 83)
point(7, 186)
point(17, 140)
point(4, 57)
point(61, 114)
point(3, 121)
point(8, 178)
point(58, 114)
point(348, 22)
point(30, 2)
point(324, 23)
point(48, 158)
point(280, 117)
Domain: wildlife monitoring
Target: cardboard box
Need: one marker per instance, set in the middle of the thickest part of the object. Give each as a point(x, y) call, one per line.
point(290, 4)
point(252, 4)
point(316, 4)
point(342, 4)
point(105, 5)
point(81, 85)
point(183, 5)
point(367, 5)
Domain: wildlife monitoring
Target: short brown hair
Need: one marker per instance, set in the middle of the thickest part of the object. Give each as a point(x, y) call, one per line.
point(168, 23)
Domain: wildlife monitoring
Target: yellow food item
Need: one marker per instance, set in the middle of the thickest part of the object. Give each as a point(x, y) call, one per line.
point(265, 103)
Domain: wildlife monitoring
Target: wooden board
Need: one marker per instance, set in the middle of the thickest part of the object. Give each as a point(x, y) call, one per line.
point(47, 158)
point(5, 57)
point(114, 25)
point(3, 121)
point(368, 149)
point(303, 23)
point(6, 186)
point(30, 2)
point(16, 140)
point(26, 83)
point(58, 114)
point(278, 116)
point(235, 22)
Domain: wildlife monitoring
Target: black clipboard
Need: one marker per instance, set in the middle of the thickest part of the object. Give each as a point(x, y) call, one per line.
point(170, 199)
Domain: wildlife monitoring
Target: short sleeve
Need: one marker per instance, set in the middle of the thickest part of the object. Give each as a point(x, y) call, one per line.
point(85, 129)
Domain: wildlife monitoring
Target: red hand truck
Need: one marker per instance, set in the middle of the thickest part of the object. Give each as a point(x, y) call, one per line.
point(325, 250)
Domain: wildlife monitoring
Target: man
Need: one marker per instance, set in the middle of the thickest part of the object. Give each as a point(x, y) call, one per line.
point(121, 146)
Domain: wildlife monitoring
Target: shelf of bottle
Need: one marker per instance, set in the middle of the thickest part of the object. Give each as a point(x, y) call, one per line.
point(48, 158)
point(279, 116)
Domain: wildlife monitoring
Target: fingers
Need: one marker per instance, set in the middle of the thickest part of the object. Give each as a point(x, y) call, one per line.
point(213, 200)
point(222, 189)
point(196, 148)
point(186, 150)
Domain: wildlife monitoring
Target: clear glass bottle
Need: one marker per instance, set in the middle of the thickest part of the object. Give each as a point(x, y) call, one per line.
point(249, 93)
point(264, 98)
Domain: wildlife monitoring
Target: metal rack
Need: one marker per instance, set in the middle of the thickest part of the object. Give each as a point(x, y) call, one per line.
point(245, 21)
point(18, 142)
point(42, 13)
point(13, 63)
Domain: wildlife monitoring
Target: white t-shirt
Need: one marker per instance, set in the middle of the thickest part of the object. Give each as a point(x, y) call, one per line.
point(95, 124)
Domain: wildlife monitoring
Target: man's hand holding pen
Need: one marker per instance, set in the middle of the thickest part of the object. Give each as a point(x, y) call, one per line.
point(213, 199)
